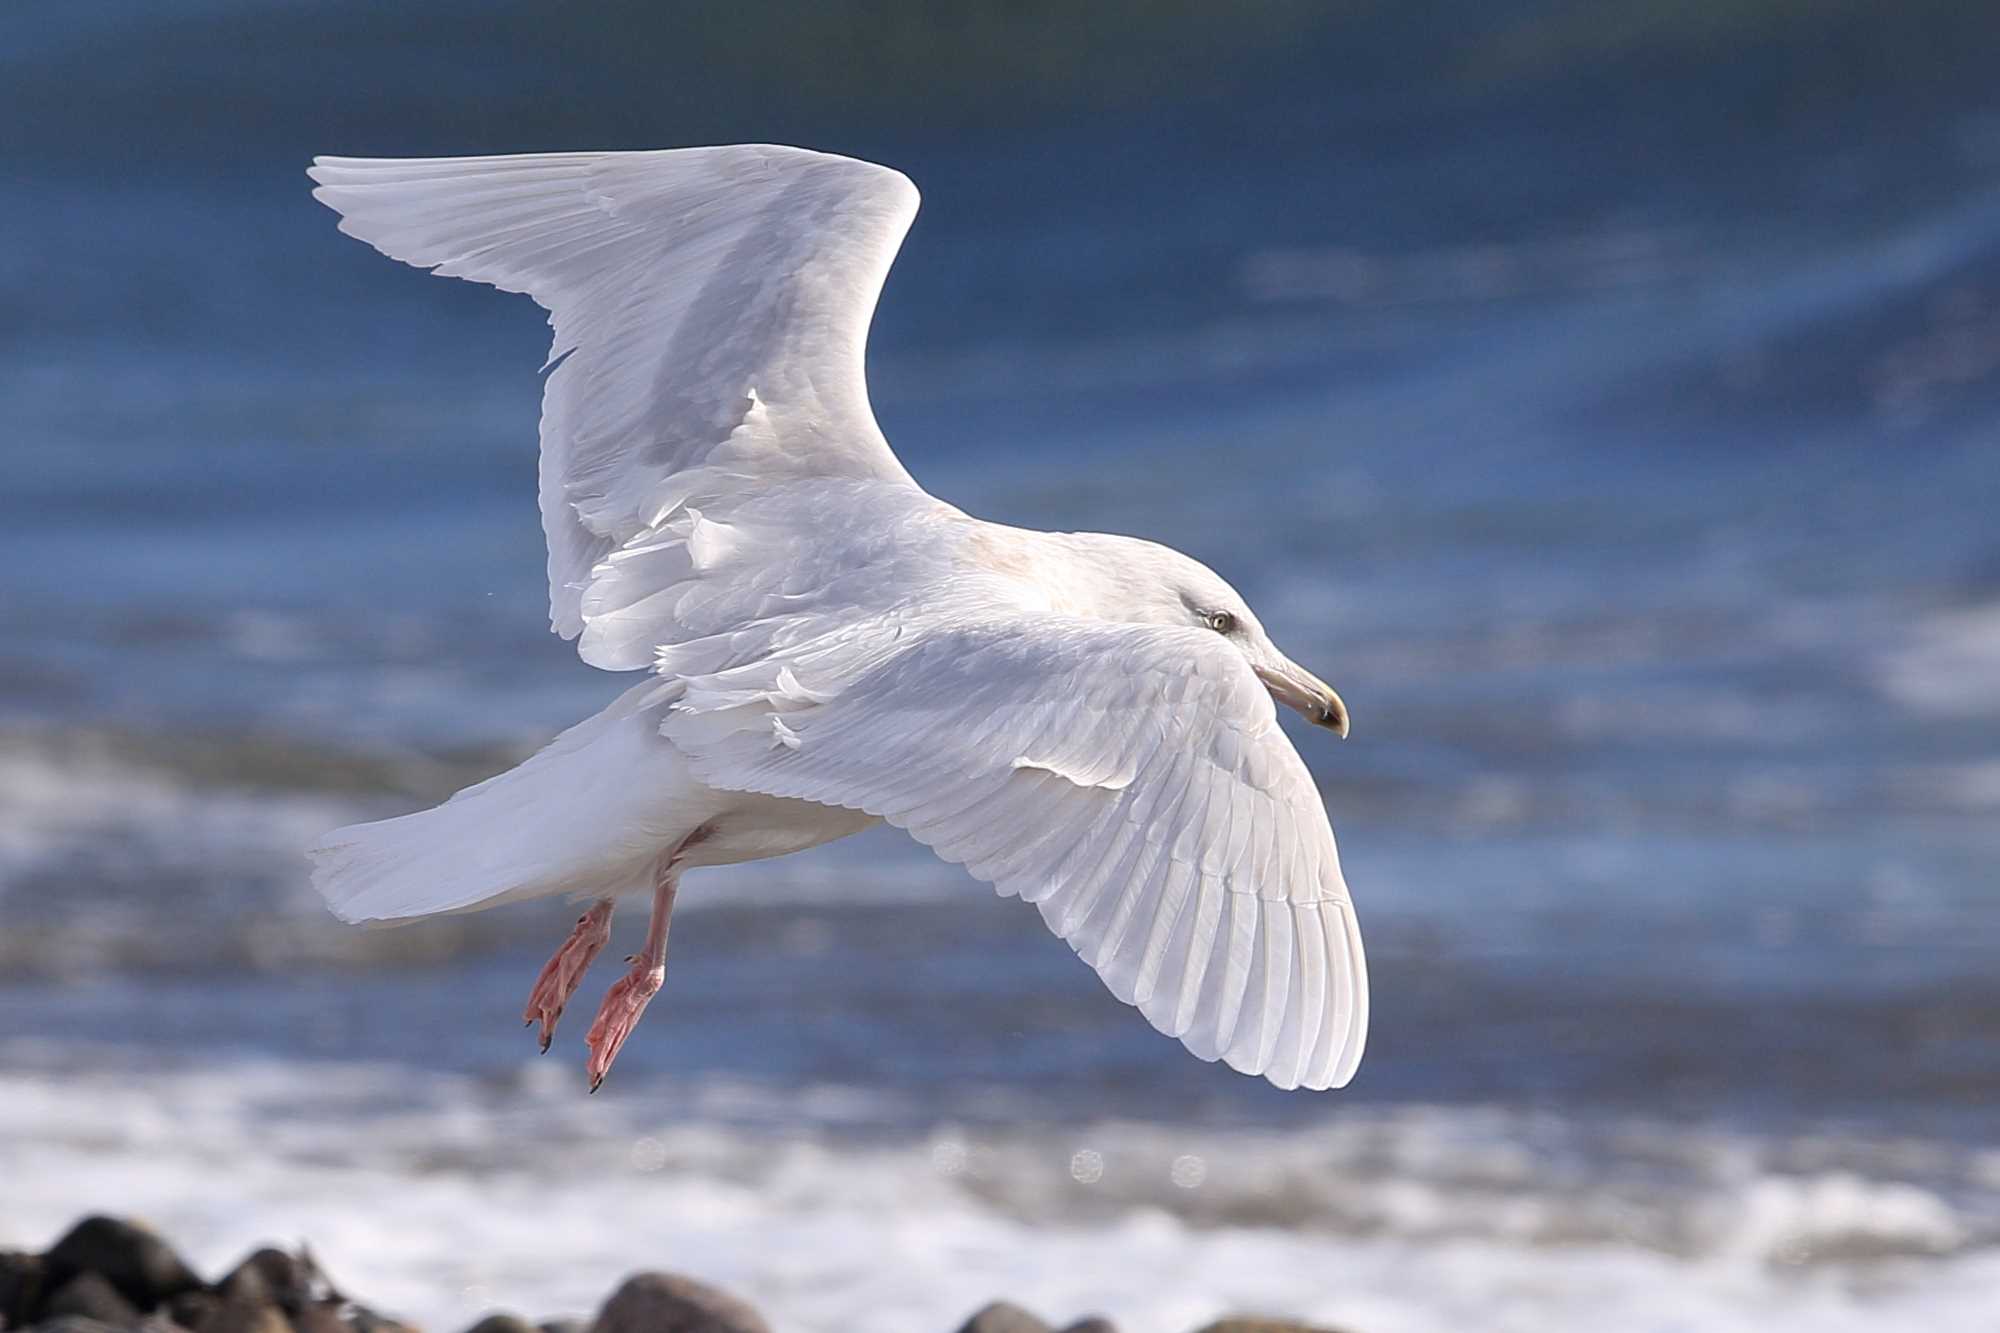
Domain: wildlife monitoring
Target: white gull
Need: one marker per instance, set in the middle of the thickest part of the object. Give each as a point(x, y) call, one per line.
point(1083, 721)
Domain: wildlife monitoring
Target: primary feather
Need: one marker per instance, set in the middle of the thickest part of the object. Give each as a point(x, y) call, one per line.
point(710, 309)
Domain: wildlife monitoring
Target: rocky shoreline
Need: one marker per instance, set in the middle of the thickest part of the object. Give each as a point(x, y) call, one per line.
point(113, 1275)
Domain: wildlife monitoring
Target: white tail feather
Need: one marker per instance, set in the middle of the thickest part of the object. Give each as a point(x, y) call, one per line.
point(586, 815)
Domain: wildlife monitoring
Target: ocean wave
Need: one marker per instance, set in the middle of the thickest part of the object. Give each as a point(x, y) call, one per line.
point(95, 841)
point(840, 1207)
point(150, 851)
point(1949, 664)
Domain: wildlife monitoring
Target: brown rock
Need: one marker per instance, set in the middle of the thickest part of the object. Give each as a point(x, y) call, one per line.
point(75, 1323)
point(89, 1295)
point(1250, 1323)
point(245, 1316)
point(336, 1314)
point(20, 1286)
point(289, 1281)
point(158, 1322)
point(320, 1317)
point(143, 1268)
point(361, 1319)
point(669, 1303)
point(1003, 1317)
point(246, 1286)
point(562, 1326)
point(502, 1323)
point(191, 1309)
point(365, 1319)
point(1095, 1323)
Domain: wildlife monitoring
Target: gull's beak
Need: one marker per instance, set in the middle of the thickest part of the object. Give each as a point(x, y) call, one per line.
point(1294, 686)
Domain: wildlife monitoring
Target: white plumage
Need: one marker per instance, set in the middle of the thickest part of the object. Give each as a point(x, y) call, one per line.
point(1083, 721)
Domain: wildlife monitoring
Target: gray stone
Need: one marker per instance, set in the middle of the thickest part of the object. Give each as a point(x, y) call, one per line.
point(89, 1295)
point(669, 1303)
point(245, 1316)
point(74, 1323)
point(289, 1281)
point(361, 1319)
point(320, 1317)
point(143, 1267)
point(158, 1322)
point(246, 1285)
point(1251, 1323)
point(1004, 1317)
point(20, 1286)
point(562, 1326)
point(191, 1309)
point(502, 1323)
point(1095, 1323)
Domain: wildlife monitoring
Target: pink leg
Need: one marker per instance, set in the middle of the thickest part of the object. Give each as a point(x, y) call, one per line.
point(564, 973)
point(630, 993)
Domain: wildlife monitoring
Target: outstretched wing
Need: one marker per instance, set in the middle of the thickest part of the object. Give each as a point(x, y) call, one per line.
point(1129, 780)
point(710, 307)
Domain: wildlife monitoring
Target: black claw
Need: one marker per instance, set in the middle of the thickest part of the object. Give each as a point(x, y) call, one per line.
point(545, 1044)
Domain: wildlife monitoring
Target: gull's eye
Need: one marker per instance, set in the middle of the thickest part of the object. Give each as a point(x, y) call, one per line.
point(1221, 622)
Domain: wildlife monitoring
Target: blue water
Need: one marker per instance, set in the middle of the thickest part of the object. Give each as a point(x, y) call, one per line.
point(1638, 512)
point(1630, 463)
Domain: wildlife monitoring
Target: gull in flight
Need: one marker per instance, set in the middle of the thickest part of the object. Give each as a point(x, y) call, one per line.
point(1081, 720)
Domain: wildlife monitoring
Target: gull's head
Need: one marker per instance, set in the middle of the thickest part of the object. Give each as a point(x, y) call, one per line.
point(1146, 583)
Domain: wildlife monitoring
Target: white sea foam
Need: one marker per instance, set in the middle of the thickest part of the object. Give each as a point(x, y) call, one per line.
point(1950, 666)
point(84, 814)
point(147, 857)
point(439, 1197)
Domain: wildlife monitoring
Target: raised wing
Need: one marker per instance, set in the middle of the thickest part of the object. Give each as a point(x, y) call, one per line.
point(1129, 780)
point(710, 307)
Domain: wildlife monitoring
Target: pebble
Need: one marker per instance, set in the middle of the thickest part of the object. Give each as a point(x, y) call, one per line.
point(669, 1303)
point(320, 1318)
point(191, 1309)
point(1004, 1317)
point(245, 1315)
point(1238, 1323)
point(20, 1286)
point(143, 1268)
point(289, 1281)
point(75, 1323)
point(93, 1297)
point(360, 1319)
point(502, 1323)
point(1095, 1323)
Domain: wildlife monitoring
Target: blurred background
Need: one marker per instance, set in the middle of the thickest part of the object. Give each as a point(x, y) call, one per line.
point(1603, 394)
